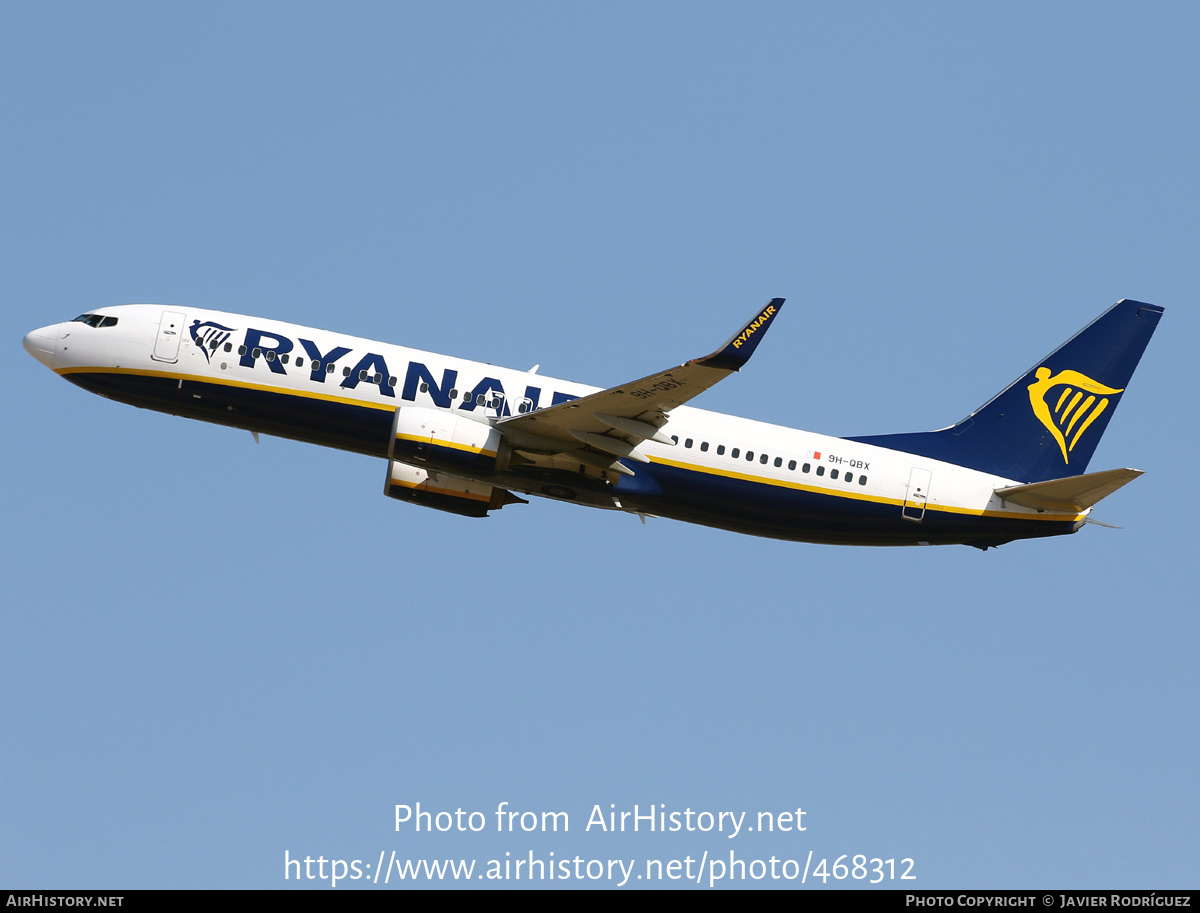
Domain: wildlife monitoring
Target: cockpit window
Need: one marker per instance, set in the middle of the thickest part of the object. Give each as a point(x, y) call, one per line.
point(96, 320)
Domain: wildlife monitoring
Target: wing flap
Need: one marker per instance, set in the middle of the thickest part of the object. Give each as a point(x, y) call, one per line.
point(635, 428)
point(1074, 493)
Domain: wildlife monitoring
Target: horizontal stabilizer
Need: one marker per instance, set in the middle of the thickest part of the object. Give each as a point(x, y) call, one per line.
point(1074, 493)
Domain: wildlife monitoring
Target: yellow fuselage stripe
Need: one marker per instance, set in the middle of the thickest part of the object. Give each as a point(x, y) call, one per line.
point(691, 467)
point(859, 496)
point(224, 382)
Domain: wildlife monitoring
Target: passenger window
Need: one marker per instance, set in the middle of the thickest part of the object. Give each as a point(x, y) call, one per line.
point(750, 455)
point(424, 387)
point(454, 394)
point(833, 473)
point(329, 368)
point(675, 438)
point(704, 446)
point(241, 350)
point(778, 462)
point(862, 480)
point(362, 375)
point(849, 477)
point(806, 467)
point(735, 453)
point(299, 362)
point(688, 443)
point(792, 465)
point(346, 372)
point(479, 400)
point(720, 450)
point(257, 353)
point(391, 381)
point(283, 359)
point(229, 347)
point(820, 470)
point(763, 459)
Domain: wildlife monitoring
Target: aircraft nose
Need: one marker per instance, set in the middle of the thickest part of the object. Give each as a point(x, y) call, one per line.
point(42, 344)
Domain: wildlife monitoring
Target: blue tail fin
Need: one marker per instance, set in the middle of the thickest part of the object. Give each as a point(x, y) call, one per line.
point(1047, 423)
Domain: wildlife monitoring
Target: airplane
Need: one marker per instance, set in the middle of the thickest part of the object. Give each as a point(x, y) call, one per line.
point(471, 438)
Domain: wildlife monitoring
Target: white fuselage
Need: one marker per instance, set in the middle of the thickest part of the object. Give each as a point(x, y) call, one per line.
point(324, 387)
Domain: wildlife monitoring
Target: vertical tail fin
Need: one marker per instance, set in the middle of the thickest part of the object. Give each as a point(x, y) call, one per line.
point(1047, 423)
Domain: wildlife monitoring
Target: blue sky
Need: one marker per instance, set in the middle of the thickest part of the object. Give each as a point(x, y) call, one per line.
point(216, 652)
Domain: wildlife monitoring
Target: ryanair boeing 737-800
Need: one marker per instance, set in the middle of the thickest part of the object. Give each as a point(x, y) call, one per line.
point(465, 437)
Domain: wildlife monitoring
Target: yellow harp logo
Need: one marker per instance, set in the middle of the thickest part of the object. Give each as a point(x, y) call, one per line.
point(1080, 403)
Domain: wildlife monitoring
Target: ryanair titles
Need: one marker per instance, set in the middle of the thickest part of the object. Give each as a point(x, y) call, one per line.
point(341, 365)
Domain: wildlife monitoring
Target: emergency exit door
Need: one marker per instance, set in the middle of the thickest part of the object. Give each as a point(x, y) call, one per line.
point(918, 494)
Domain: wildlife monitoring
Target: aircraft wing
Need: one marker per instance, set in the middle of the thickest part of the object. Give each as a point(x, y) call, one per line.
point(614, 421)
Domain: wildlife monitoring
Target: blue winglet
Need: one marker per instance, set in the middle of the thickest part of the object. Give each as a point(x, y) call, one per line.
point(737, 351)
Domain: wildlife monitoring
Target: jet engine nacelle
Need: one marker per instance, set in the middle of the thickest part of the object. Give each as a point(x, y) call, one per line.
point(443, 492)
point(439, 439)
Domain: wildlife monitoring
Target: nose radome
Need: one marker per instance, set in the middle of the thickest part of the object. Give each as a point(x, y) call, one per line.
point(42, 344)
